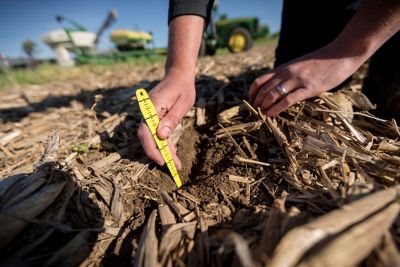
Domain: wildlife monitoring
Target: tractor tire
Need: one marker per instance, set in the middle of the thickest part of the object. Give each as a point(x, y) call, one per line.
point(239, 40)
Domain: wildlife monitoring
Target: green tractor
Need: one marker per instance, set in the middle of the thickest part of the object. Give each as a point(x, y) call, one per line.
point(236, 34)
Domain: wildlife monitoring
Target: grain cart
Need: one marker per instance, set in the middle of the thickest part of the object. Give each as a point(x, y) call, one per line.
point(74, 38)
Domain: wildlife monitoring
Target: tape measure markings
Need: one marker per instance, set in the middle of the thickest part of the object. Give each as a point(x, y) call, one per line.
point(150, 116)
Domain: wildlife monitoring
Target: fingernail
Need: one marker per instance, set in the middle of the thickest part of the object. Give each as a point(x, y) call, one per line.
point(165, 132)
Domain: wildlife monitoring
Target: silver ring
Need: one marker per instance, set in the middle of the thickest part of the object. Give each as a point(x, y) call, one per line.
point(281, 90)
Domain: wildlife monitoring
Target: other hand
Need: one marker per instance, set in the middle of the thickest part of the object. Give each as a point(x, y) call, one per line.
point(301, 79)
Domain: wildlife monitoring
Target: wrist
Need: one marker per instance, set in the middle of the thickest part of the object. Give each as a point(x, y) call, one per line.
point(356, 50)
point(181, 73)
point(349, 56)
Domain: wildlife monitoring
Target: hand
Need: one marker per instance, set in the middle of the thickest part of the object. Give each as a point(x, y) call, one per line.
point(302, 78)
point(173, 97)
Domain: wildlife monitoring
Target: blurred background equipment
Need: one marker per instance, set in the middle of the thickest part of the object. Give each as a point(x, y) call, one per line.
point(128, 40)
point(75, 39)
point(83, 43)
point(236, 34)
point(111, 18)
point(63, 41)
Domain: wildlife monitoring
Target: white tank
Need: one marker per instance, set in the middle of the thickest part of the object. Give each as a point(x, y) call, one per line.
point(60, 43)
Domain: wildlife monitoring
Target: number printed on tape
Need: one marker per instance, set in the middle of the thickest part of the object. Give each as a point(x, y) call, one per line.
point(150, 116)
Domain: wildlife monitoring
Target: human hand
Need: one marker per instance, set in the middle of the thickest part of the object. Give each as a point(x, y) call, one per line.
point(173, 97)
point(302, 78)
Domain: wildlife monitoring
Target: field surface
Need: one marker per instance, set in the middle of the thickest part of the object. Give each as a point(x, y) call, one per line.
point(315, 186)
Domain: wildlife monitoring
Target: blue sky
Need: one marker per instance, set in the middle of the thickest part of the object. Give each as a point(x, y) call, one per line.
point(30, 19)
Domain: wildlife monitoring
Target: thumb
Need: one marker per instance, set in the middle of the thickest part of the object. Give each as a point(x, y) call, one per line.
point(168, 124)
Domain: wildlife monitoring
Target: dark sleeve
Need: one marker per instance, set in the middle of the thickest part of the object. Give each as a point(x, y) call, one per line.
point(200, 8)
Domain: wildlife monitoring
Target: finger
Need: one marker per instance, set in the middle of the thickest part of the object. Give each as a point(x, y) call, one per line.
point(289, 100)
point(267, 90)
point(148, 144)
point(273, 95)
point(175, 157)
point(257, 84)
point(173, 117)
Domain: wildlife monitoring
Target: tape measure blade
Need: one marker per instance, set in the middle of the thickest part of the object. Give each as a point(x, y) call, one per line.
point(166, 155)
point(146, 106)
point(150, 116)
point(172, 168)
point(161, 144)
point(141, 94)
point(177, 180)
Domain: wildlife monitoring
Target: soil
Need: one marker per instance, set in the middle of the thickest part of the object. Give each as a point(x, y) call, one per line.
point(107, 207)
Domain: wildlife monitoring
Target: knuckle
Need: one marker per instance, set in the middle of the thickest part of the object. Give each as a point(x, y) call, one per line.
point(290, 72)
point(301, 78)
point(158, 101)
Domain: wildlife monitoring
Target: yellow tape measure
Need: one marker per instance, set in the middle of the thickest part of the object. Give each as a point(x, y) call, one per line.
point(150, 116)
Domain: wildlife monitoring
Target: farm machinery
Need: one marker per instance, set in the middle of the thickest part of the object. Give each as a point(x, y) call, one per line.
point(76, 39)
point(236, 34)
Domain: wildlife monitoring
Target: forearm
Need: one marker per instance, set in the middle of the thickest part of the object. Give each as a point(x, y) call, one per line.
point(372, 25)
point(184, 38)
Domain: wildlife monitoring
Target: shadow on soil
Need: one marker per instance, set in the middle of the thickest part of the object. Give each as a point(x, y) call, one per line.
point(108, 103)
point(65, 229)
